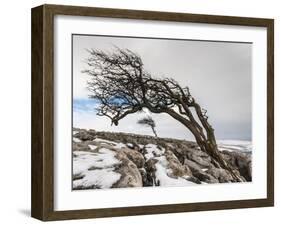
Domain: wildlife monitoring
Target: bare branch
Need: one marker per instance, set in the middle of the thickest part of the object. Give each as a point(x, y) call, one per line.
point(122, 87)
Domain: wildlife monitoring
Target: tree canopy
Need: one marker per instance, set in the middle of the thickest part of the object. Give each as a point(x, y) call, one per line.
point(122, 86)
point(148, 121)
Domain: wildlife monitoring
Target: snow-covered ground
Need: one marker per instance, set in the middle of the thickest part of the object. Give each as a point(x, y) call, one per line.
point(95, 169)
point(162, 168)
point(235, 145)
point(153, 151)
point(162, 175)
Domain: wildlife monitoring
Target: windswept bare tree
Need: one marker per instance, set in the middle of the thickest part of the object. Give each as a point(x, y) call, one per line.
point(122, 86)
point(148, 121)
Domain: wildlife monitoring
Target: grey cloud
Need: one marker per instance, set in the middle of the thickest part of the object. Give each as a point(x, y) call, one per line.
point(217, 73)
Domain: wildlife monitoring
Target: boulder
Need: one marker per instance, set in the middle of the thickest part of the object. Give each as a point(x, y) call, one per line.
point(84, 135)
point(81, 146)
point(241, 162)
point(130, 175)
point(177, 169)
point(191, 165)
point(222, 175)
point(205, 177)
point(92, 132)
point(198, 173)
point(199, 157)
point(135, 156)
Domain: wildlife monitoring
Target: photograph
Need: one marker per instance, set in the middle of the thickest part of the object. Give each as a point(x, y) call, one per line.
point(140, 112)
point(160, 112)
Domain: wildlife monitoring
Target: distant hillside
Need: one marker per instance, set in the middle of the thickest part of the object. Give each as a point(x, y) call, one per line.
point(115, 160)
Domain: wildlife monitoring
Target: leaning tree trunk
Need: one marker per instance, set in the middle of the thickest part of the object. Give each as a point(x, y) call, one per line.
point(154, 131)
point(209, 144)
point(210, 147)
point(205, 138)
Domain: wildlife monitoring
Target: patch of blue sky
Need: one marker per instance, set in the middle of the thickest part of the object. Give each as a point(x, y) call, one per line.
point(84, 105)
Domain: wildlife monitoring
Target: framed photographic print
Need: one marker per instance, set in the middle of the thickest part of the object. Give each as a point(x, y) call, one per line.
point(141, 112)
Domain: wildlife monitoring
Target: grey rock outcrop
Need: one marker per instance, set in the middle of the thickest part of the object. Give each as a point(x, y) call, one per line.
point(135, 156)
point(130, 175)
point(146, 160)
point(84, 135)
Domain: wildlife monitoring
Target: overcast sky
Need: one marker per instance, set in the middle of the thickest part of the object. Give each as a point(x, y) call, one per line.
point(217, 73)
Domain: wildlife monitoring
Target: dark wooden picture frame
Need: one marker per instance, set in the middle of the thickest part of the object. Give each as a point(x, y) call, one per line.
point(43, 112)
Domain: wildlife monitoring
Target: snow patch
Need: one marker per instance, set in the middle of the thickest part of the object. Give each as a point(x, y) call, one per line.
point(100, 178)
point(130, 145)
point(95, 168)
point(112, 143)
point(164, 180)
point(76, 140)
point(104, 141)
point(235, 145)
point(153, 151)
point(163, 173)
point(119, 145)
point(92, 147)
